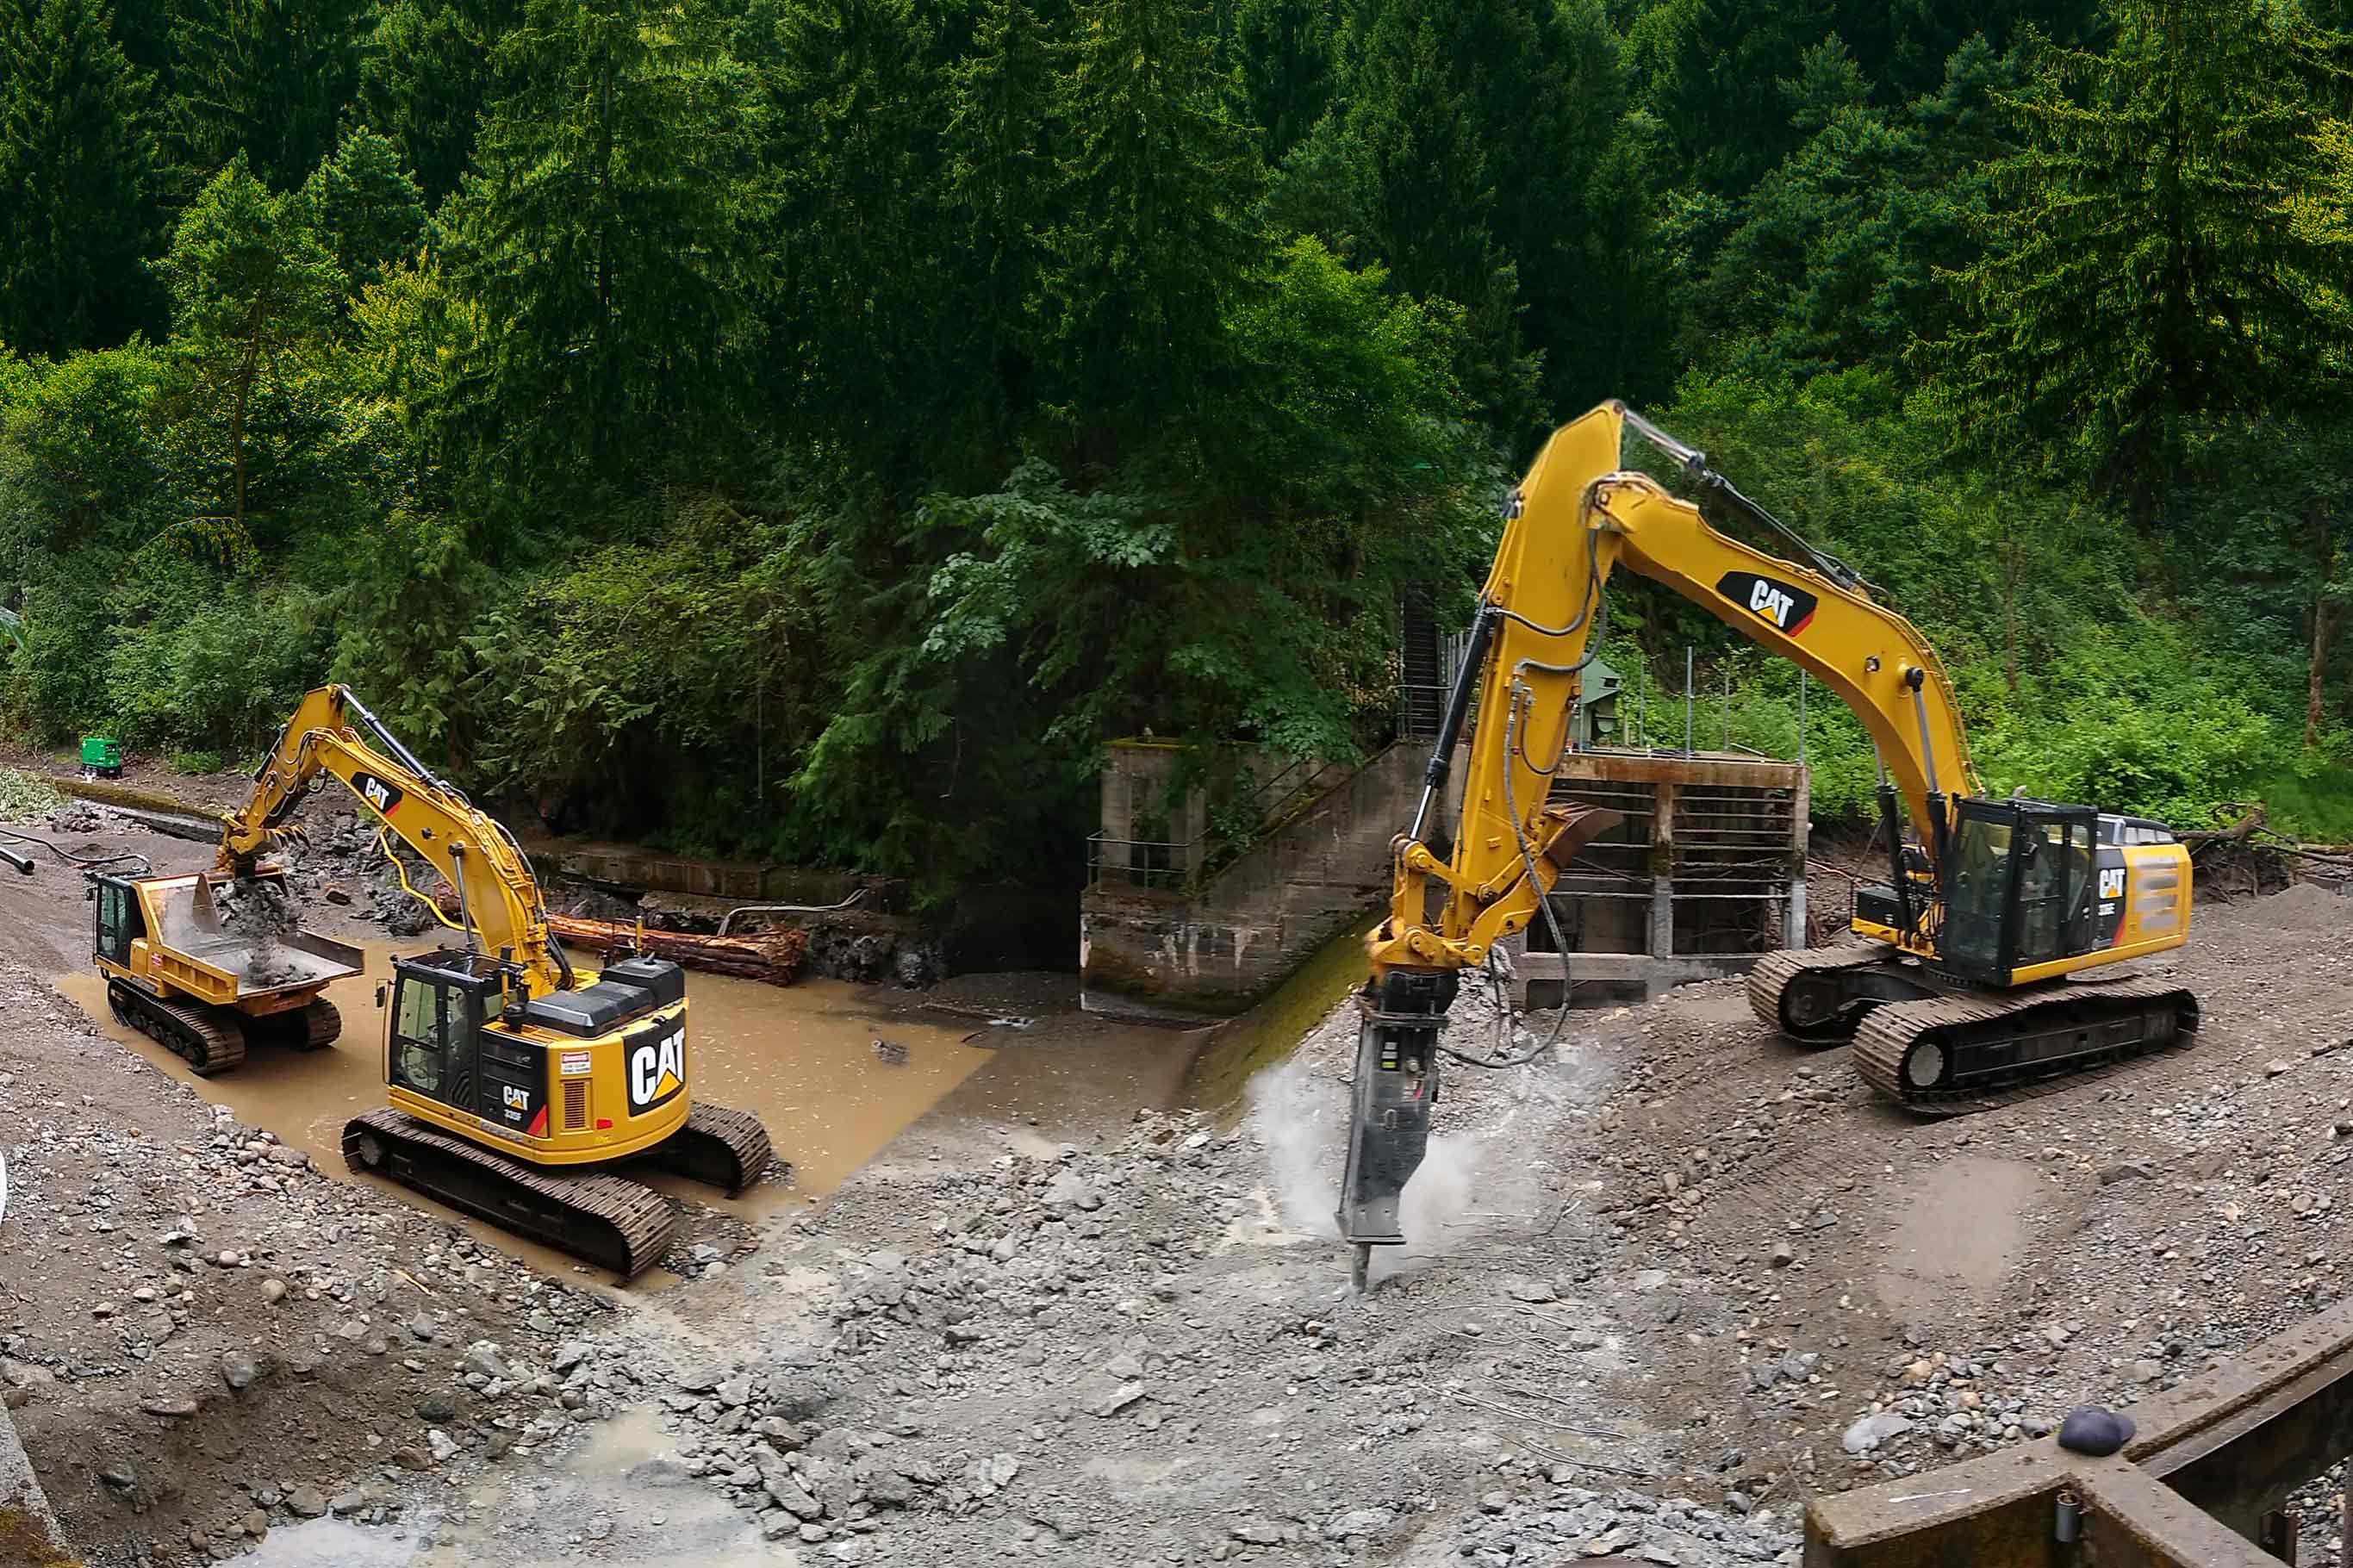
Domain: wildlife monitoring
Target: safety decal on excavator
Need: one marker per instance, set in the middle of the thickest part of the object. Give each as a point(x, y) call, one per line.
point(380, 795)
point(657, 1069)
point(1784, 606)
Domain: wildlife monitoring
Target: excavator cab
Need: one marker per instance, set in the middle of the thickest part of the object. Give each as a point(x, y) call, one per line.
point(2019, 887)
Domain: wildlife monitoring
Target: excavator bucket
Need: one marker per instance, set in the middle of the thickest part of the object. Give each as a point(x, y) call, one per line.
point(204, 917)
point(1574, 827)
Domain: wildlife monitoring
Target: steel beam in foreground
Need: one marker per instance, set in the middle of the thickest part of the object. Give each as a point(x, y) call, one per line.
point(2202, 1485)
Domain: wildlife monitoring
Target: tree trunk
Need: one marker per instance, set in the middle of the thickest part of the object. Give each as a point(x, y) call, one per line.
point(244, 371)
point(2009, 607)
point(2323, 624)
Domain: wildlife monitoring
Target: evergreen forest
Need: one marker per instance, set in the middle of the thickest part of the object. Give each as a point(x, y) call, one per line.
point(811, 428)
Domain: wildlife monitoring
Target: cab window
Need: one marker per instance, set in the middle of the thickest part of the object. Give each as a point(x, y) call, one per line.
point(421, 1043)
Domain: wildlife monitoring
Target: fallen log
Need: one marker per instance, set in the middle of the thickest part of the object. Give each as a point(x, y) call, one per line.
point(2237, 833)
point(774, 957)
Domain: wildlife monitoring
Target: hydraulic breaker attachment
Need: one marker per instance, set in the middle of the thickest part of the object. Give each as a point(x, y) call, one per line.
point(1396, 1083)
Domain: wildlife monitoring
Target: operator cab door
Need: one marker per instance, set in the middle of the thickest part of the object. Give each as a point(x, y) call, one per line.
point(121, 920)
point(2056, 882)
point(2019, 884)
point(436, 1024)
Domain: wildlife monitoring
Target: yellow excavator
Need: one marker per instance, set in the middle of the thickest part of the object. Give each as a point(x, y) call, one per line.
point(1969, 984)
point(518, 1079)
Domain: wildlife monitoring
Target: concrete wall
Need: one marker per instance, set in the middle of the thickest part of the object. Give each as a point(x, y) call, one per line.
point(29, 1531)
point(1165, 953)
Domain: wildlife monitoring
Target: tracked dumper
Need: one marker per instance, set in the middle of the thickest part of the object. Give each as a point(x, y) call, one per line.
point(523, 1088)
point(205, 987)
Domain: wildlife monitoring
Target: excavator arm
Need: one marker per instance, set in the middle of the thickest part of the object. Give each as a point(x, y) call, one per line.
point(333, 733)
point(1578, 517)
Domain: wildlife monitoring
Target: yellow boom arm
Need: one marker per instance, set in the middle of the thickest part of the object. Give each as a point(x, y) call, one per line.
point(332, 733)
point(1576, 518)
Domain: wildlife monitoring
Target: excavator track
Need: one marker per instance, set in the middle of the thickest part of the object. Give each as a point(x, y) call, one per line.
point(1780, 992)
point(718, 1147)
point(607, 1220)
point(1954, 1055)
point(210, 1042)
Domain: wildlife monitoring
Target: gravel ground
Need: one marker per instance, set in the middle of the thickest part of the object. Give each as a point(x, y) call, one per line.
point(1668, 1281)
point(200, 1336)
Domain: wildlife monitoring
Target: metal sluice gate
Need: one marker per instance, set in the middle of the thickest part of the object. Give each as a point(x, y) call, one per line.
point(2204, 1483)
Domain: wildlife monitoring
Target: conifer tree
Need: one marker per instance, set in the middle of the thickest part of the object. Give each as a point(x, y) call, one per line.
point(267, 79)
point(424, 78)
point(252, 293)
point(83, 167)
point(610, 234)
point(854, 126)
point(1281, 53)
point(1156, 238)
point(363, 207)
point(1000, 179)
point(1429, 198)
point(2164, 247)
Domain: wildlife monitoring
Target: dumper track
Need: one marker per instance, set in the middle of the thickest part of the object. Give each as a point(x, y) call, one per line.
point(1774, 983)
point(312, 1027)
point(718, 1147)
point(209, 1042)
point(1999, 1050)
point(607, 1220)
point(323, 1026)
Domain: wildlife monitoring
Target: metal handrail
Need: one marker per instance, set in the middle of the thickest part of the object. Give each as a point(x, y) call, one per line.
point(1172, 867)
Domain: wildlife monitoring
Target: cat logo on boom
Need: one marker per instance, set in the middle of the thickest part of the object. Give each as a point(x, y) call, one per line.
point(382, 796)
point(1784, 606)
point(656, 1071)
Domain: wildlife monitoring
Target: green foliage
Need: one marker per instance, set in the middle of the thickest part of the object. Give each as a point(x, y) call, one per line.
point(813, 427)
point(263, 80)
point(198, 763)
point(363, 207)
point(1154, 242)
point(82, 164)
point(424, 77)
point(1282, 54)
point(253, 292)
point(187, 663)
point(608, 235)
point(2162, 248)
point(24, 797)
point(854, 104)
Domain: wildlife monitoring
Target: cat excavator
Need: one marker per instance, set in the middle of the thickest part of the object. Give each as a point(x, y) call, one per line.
point(1974, 978)
point(520, 1082)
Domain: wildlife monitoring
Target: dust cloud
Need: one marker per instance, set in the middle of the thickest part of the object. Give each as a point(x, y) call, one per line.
point(1480, 1175)
point(1301, 1117)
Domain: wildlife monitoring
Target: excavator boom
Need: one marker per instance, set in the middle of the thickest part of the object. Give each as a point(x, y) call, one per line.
point(332, 732)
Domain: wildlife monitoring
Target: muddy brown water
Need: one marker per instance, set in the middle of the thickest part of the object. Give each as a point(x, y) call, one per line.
point(801, 1057)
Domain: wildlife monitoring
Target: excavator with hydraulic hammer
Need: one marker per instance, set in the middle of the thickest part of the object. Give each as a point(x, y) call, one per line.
point(1985, 964)
point(522, 1084)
